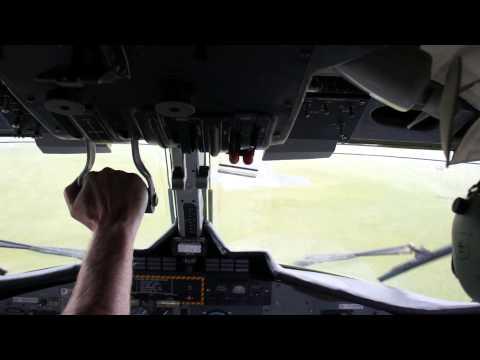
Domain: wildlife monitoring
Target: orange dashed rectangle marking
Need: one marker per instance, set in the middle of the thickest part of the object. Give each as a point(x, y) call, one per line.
point(178, 277)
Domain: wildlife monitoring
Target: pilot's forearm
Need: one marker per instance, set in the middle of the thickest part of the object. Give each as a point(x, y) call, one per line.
point(104, 281)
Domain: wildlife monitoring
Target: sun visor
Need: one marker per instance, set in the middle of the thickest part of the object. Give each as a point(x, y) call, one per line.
point(297, 149)
point(331, 110)
point(396, 76)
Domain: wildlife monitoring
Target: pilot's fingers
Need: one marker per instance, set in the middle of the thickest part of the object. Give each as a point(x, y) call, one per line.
point(70, 193)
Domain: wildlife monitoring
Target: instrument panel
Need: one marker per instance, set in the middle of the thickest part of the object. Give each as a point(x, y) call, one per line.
point(165, 282)
point(263, 298)
point(218, 293)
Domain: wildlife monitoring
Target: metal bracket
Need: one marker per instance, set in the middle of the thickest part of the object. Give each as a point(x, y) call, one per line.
point(189, 182)
point(152, 195)
point(91, 151)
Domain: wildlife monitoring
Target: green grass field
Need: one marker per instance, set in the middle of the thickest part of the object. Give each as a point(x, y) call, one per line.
point(293, 208)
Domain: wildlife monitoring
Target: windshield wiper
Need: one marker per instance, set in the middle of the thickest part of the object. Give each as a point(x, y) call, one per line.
point(395, 250)
point(74, 253)
point(420, 259)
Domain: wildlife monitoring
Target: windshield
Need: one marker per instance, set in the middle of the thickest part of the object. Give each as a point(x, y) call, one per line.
point(34, 210)
point(361, 198)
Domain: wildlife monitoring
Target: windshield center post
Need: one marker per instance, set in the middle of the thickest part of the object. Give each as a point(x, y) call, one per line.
point(189, 183)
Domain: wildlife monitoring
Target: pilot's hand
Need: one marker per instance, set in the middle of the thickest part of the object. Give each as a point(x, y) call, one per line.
point(107, 199)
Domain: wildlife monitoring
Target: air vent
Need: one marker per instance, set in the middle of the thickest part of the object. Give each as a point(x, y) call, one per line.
point(227, 265)
point(94, 127)
point(212, 265)
point(242, 265)
point(157, 264)
point(169, 264)
point(154, 264)
point(139, 264)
